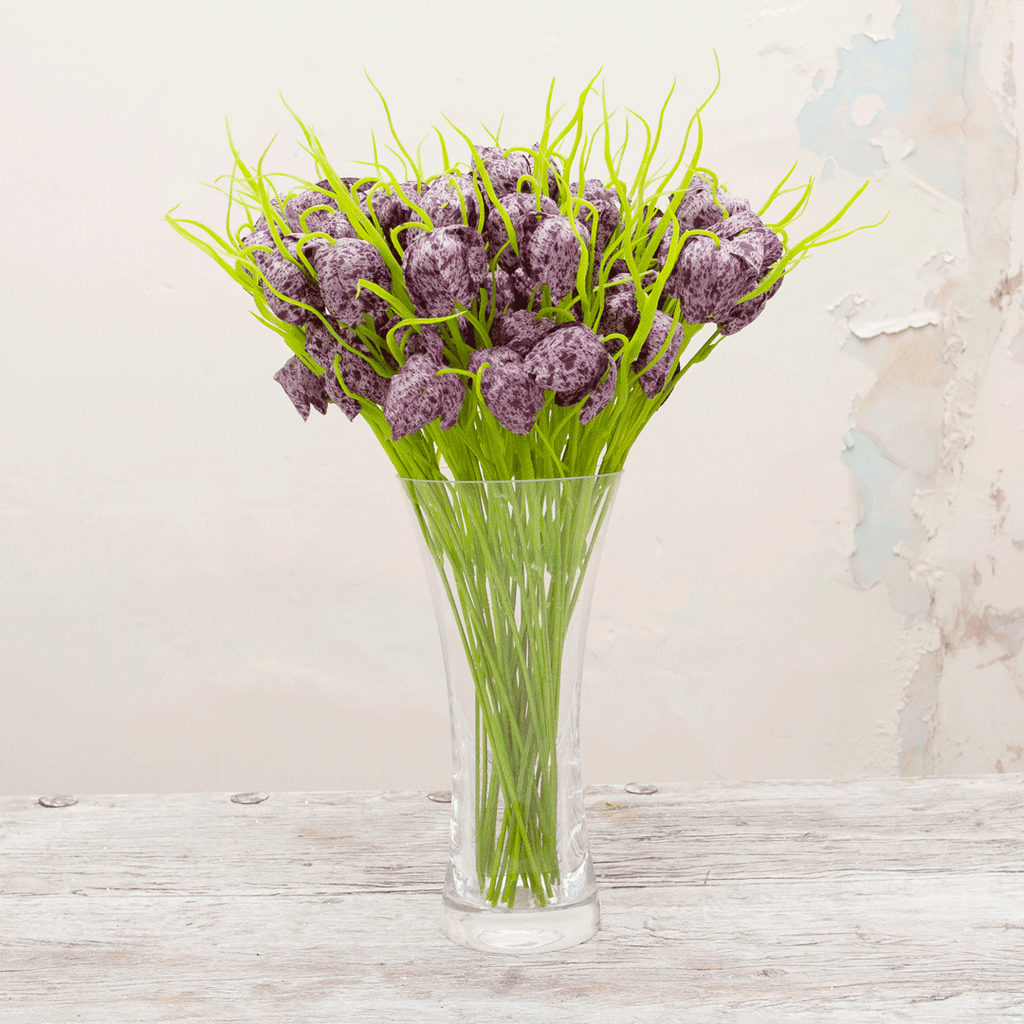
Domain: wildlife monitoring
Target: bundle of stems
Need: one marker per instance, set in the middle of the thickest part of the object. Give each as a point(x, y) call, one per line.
point(512, 557)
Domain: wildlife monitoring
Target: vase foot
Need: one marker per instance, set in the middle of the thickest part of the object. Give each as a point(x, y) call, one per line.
point(536, 930)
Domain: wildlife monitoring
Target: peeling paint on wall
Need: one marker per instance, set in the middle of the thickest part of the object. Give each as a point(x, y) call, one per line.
point(934, 107)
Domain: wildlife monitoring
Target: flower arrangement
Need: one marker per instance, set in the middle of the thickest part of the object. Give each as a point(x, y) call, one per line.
point(507, 325)
point(508, 317)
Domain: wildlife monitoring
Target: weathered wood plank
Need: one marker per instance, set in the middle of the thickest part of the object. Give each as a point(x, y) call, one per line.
point(316, 843)
point(884, 900)
point(871, 944)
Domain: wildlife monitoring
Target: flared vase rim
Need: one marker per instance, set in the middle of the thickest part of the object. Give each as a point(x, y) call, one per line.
point(513, 480)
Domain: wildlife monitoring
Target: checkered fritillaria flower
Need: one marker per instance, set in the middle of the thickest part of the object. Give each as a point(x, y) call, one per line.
point(508, 315)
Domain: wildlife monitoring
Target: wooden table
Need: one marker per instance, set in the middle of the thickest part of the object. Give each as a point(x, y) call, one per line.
point(868, 901)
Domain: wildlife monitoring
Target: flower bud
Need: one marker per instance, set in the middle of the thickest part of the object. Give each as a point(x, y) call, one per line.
point(303, 218)
point(391, 207)
point(599, 398)
point(501, 292)
point(746, 312)
point(444, 267)
point(620, 314)
point(509, 392)
point(427, 342)
point(504, 169)
point(441, 203)
point(340, 268)
point(698, 209)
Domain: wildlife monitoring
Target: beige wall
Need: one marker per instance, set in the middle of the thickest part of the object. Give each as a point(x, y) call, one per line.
point(816, 562)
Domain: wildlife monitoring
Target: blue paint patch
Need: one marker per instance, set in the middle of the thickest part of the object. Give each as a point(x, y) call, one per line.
point(887, 490)
point(912, 67)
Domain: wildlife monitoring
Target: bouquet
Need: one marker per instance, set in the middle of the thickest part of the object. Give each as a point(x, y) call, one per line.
point(506, 317)
point(509, 317)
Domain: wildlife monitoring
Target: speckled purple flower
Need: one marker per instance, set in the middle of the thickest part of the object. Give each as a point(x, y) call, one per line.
point(419, 396)
point(698, 209)
point(444, 267)
point(302, 215)
point(427, 342)
point(653, 380)
point(320, 344)
point(340, 268)
point(570, 360)
point(606, 202)
point(620, 314)
point(302, 386)
point(509, 392)
point(598, 399)
point(519, 330)
point(441, 201)
point(746, 312)
point(287, 284)
point(551, 256)
point(501, 292)
point(521, 210)
point(391, 207)
point(504, 169)
point(709, 279)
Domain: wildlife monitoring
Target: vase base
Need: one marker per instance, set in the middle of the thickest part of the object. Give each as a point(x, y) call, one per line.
point(537, 930)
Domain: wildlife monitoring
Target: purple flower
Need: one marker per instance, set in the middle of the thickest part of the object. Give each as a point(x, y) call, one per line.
point(509, 392)
point(551, 256)
point(340, 268)
point(419, 396)
point(359, 375)
point(521, 209)
point(302, 218)
point(392, 207)
point(440, 201)
point(504, 169)
point(653, 380)
point(620, 314)
point(320, 344)
point(746, 312)
point(606, 202)
point(501, 292)
point(698, 209)
point(444, 267)
point(570, 360)
point(302, 386)
point(286, 284)
point(519, 330)
point(428, 342)
point(599, 398)
point(708, 279)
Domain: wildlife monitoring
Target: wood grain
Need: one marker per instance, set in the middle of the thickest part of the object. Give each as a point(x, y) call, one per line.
point(881, 900)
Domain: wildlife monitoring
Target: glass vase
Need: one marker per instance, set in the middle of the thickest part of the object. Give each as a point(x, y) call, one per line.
point(511, 566)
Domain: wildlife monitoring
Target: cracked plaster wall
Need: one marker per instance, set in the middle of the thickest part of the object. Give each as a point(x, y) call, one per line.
point(936, 444)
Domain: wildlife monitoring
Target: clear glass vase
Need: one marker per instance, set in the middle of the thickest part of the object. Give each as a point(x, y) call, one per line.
point(511, 566)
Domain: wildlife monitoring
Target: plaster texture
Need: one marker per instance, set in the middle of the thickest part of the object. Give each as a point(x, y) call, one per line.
point(815, 567)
